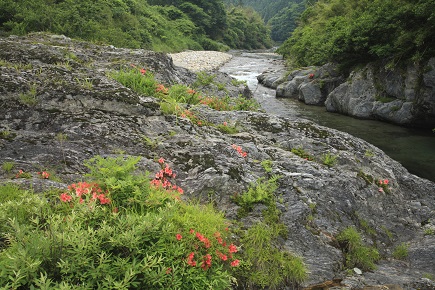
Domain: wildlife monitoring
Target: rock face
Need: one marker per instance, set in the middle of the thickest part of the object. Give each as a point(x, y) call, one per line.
point(404, 96)
point(70, 121)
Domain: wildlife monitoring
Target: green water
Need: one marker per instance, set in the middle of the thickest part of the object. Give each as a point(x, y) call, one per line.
point(414, 149)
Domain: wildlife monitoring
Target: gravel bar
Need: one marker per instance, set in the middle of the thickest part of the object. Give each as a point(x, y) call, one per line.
point(200, 60)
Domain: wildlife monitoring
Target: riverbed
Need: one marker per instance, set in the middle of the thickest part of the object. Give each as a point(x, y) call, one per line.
point(414, 149)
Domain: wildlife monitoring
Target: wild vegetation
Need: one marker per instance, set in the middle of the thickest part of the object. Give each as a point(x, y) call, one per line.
point(355, 32)
point(156, 24)
point(281, 16)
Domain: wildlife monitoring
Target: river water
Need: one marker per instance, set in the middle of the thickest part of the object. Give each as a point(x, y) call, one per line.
point(414, 149)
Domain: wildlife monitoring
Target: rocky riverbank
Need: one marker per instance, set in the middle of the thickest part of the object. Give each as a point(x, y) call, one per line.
point(399, 95)
point(329, 180)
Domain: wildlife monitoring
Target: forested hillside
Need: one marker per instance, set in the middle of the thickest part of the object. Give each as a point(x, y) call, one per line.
point(353, 32)
point(160, 25)
point(280, 15)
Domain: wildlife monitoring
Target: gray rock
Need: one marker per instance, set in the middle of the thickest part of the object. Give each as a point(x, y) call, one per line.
point(109, 118)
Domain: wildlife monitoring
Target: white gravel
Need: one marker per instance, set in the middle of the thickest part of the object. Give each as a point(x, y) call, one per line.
point(200, 60)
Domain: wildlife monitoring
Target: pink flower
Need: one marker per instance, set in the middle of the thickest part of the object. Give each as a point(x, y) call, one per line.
point(192, 231)
point(385, 181)
point(225, 123)
point(143, 71)
point(235, 263)
point(161, 160)
point(179, 237)
point(380, 189)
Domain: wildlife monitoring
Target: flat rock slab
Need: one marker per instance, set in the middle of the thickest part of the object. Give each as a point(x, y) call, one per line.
point(200, 60)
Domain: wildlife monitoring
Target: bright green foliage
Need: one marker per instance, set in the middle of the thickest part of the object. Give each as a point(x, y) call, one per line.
point(8, 166)
point(357, 255)
point(329, 160)
point(63, 244)
point(132, 78)
point(352, 32)
point(268, 266)
point(401, 251)
point(261, 192)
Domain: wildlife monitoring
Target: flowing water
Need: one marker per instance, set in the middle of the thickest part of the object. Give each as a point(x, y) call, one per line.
point(414, 149)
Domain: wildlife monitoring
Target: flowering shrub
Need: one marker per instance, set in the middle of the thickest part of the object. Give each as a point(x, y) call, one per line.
point(203, 250)
point(239, 150)
point(162, 178)
point(135, 247)
point(83, 191)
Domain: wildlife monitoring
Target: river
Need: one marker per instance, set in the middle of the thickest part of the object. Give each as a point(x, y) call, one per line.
point(414, 149)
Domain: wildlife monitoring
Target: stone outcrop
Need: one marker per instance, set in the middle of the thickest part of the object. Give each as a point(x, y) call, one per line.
point(404, 96)
point(70, 121)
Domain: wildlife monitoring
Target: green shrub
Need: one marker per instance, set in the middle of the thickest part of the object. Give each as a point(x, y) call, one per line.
point(401, 251)
point(29, 98)
point(357, 255)
point(139, 80)
point(8, 166)
point(261, 192)
point(301, 153)
point(329, 160)
point(265, 264)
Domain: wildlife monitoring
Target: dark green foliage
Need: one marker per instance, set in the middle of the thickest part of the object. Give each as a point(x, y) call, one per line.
point(246, 29)
point(352, 32)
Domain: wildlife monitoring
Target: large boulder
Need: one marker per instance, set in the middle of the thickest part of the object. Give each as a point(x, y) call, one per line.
point(404, 96)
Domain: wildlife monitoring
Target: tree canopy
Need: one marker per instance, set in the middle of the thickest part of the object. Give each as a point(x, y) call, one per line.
point(358, 31)
point(162, 25)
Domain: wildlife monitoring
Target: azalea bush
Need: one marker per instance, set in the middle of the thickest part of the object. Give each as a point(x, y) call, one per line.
point(120, 229)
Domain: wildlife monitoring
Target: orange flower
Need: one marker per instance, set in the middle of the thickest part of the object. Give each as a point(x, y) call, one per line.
point(179, 237)
point(235, 263)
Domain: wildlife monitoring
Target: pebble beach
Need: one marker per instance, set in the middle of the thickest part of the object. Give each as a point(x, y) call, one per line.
point(200, 60)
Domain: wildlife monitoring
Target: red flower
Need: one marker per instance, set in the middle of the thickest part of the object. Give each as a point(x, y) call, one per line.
point(179, 237)
point(143, 71)
point(161, 160)
point(385, 181)
point(190, 260)
point(192, 231)
point(232, 248)
point(235, 263)
point(65, 197)
point(168, 271)
point(311, 76)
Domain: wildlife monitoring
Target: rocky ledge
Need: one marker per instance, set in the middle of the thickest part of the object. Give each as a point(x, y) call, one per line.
point(400, 95)
point(71, 120)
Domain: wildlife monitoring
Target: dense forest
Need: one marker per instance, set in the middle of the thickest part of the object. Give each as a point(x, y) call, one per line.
point(280, 15)
point(352, 32)
point(160, 25)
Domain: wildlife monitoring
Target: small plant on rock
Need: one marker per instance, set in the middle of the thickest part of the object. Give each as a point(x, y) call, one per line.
point(401, 251)
point(357, 254)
